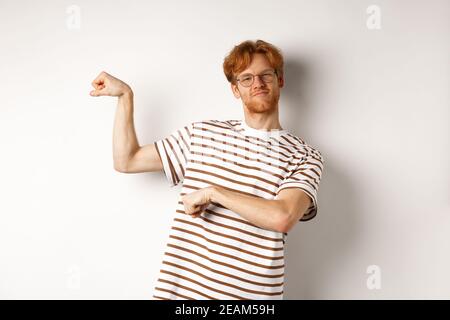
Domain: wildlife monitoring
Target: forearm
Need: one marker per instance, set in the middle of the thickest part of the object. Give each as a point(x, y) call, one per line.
point(125, 142)
point(264, 213)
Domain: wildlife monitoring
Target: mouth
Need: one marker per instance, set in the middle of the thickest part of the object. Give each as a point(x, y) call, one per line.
point(260, 93)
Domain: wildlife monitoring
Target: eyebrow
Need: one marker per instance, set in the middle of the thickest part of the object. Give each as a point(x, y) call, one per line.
point(260, 72)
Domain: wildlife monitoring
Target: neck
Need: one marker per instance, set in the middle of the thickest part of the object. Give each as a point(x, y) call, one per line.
point(262, 121)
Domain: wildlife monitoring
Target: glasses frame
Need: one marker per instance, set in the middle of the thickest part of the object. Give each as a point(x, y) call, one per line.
point(260, 77)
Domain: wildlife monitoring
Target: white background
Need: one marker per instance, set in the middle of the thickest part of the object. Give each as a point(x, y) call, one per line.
point(375, 102)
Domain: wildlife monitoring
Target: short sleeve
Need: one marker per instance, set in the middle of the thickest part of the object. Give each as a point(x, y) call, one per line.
point(174, 151)
point(306, 176)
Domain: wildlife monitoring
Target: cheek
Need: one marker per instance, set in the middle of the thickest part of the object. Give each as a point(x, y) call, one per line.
point(244, 96)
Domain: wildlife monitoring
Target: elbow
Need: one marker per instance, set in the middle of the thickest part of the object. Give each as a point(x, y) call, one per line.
point(120, 168)
point(284, 227)
point(284, 224)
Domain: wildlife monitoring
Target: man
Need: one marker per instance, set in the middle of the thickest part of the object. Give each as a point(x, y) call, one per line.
point(245, 184)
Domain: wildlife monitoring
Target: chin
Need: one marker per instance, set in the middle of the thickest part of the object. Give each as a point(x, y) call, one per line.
point(258, 105)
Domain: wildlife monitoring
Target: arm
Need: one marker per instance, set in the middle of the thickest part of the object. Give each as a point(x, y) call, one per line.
point(128, 156)
point(266, 214)
point(278, 215)
point(125, 143)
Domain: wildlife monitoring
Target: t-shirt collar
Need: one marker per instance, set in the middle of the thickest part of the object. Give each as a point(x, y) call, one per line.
point(262, 133)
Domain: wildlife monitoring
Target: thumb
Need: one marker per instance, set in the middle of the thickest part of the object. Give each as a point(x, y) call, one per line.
point(96, 93)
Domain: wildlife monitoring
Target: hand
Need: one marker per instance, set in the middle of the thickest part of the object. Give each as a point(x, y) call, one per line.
point(107, 85)
point(196, 202)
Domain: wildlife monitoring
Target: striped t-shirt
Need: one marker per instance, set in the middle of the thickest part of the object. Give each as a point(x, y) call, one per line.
point(220, 255)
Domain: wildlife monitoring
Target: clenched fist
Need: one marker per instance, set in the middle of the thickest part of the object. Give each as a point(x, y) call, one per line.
point(196, 202)
point(107, 85)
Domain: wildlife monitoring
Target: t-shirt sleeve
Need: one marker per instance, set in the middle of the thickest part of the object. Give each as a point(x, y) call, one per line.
point(174, 151)
point(306, 176)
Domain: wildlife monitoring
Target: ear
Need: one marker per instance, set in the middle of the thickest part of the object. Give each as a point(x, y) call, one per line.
point(281, 81)
point(235, 90)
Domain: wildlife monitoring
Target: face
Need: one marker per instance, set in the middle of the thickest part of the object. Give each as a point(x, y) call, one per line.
point(260, 97)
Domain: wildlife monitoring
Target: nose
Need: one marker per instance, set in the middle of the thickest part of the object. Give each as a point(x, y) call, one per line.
point(257, 82)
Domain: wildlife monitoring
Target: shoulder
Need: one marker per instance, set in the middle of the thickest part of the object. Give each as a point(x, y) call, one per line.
point(303, 148)
point(214, 123)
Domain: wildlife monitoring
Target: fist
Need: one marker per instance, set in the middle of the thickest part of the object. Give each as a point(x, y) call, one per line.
point(196, 202)
point(107, 85)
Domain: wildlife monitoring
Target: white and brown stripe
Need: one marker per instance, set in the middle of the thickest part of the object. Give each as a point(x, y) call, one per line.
point(220, 255)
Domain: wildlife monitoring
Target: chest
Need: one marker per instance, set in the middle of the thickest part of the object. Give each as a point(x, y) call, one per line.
point(249, 166)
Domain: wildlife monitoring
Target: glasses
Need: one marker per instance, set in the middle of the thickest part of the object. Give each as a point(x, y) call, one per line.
point(247, 79)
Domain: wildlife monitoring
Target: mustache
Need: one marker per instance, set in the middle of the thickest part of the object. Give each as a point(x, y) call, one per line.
point(258, 92)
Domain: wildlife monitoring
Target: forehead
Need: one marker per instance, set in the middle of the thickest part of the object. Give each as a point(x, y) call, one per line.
point(259, 64)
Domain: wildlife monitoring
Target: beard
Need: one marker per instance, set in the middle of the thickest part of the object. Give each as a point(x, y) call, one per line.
point(262, 104)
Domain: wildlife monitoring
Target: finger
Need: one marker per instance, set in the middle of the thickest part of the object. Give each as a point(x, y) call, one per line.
point(100, 79)
point(97, 93)
point(193, 213)
point(101, 76)
point(99, 85)
point(199, 209)
point(95, 85)
point(197, 213)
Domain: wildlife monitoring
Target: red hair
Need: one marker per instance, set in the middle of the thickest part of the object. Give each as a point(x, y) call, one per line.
point(241, 56)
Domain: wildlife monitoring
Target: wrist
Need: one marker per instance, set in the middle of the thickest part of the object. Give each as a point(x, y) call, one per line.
point(212, 193)
point(127, 93)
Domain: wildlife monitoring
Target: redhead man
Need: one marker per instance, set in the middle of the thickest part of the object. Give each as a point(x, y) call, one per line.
point(245, 184)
